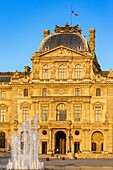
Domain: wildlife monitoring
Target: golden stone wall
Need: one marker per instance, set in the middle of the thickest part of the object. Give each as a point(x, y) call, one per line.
point(69, 134)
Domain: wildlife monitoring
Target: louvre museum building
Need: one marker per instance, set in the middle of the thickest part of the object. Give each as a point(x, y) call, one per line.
point(70, 92)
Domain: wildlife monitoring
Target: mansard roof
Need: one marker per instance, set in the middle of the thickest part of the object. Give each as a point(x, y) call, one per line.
point(67, 36)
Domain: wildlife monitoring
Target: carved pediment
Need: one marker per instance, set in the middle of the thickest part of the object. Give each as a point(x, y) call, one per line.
point(61, 51)
point(98, 104)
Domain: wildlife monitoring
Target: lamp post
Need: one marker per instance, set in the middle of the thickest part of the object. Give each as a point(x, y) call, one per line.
point(70, 139)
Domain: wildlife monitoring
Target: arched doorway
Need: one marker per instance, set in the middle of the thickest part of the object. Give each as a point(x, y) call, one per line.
point(97, 140)
point(60, 142)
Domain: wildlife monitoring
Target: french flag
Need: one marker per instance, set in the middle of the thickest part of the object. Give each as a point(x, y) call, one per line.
point(74, 13)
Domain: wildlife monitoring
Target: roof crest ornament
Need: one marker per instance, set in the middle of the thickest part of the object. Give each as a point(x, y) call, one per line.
point(68, 29)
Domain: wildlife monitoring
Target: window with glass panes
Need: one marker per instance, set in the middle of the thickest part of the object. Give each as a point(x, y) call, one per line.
point(25, 92)
point(77, 113)
point(62, 72)
point(44, 113)
point(61, 112)
point(2, 140)
point(2, 115)
point(25, 113)
point(3, 94)
point(97, 114)
point(98, 92)
point(45, 72)
point(78, 72)
point(77, 92)
point(44, 92)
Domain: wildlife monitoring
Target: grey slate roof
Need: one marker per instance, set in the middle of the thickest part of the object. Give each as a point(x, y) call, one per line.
point(6, 76)
point(70, 40)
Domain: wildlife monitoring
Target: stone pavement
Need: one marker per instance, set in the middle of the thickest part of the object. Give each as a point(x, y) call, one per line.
point(69, 164)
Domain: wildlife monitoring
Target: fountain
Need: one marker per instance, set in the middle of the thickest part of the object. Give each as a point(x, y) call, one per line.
point(24, 148)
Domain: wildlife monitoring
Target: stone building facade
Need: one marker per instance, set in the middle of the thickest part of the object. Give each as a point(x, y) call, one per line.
point(71, 94)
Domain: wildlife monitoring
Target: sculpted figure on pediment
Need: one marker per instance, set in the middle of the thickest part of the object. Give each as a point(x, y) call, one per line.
point(110, 74)
point(16, 75)
point(25, 79)
point(63, 52)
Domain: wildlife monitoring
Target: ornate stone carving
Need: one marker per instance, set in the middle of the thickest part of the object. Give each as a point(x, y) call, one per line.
point(67, 29)
point(25, 79)
point(110, 74)
point(16, 75)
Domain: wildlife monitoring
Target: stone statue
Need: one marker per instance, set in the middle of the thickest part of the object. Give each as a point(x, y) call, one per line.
point(16, 75)
point(87, 70)
point(53, 70)
point(110, 74)
point(36, 70)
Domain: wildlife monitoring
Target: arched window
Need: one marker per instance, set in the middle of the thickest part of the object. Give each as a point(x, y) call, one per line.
point(45, 72)
point(77, 92)
point(44, 92)
point(62, 72)
point(98, 92)
point(25, 92)
point(2, 140)
point(78, 72)
point(2, 115)
point(61, 112)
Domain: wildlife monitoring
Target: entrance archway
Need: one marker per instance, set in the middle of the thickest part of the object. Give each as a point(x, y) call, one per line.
point(60, 142)
point(97, 140)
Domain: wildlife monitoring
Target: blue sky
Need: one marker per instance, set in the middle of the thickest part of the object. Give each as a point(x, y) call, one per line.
point(22, 23)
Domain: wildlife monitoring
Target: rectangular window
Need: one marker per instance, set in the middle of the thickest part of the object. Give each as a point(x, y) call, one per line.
point(62, 72)
point(25, 113)
point(61, 115)
point(77, 92)
point(3, 115)
point(97, 114)
point(44, 113)
point(3, 94)
point(77, 112)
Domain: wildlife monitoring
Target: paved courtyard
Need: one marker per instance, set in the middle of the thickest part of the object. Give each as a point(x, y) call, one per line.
point(75, 164)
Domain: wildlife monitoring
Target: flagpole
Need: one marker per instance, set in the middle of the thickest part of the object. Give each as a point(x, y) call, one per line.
point(71, 17)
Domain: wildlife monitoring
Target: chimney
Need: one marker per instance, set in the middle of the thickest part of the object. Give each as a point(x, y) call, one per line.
point(92, 40)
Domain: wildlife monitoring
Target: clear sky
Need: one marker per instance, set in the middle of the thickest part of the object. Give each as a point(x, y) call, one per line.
point(22, 23)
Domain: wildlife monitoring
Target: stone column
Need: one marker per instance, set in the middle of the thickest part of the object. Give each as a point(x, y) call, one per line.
point(50, 140)
point(68, 142)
